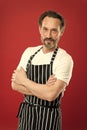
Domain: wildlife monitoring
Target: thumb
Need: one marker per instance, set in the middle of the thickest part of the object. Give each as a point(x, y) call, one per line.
point(21, 68)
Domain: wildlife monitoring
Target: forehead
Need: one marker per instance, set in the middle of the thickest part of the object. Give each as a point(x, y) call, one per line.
point(50, 22)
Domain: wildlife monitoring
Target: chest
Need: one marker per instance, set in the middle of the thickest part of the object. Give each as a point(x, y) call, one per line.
point(40, 58)
point(40, 71)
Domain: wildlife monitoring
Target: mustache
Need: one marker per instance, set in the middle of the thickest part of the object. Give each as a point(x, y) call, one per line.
point(50, 39)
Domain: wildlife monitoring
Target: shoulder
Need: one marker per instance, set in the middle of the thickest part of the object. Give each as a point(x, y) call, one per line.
point(31, 50)
point(26, 55)
point(63, 59)
point(64, 56)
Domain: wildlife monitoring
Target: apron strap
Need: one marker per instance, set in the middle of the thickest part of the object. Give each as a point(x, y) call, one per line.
point(31, 57)
point(54, 55)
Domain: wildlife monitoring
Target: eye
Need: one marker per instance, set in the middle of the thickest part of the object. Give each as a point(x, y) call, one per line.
point(45, 29)
point(54, 30)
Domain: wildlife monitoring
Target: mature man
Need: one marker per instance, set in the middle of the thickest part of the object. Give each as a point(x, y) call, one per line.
point(42, 75)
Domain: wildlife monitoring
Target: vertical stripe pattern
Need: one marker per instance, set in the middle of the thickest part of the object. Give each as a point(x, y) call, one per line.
point(46, 116)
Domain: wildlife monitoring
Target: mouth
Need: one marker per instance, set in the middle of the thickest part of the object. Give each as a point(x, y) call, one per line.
point(48, 40)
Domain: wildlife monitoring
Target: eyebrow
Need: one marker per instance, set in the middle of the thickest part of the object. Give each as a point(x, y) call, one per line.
point(51, 29)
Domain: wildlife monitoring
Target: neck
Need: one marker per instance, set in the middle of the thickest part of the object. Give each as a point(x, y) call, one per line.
point(46, 50)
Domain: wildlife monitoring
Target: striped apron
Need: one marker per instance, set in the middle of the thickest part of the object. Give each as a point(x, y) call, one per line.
point(35, 113)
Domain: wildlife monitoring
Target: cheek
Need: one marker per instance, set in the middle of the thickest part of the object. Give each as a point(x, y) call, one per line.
point(55, 36)
point(43, 35)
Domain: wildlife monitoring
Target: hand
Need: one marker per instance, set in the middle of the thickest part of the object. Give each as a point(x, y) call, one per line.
point(51, 81)
point(19, 76)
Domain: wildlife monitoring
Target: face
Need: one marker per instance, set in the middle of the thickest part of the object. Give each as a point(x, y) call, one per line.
point(50, 32)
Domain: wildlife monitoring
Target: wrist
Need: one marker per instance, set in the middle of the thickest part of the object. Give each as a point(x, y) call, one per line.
point(26, 82)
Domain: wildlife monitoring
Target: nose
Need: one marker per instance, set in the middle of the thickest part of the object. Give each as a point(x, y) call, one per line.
point(48, 33)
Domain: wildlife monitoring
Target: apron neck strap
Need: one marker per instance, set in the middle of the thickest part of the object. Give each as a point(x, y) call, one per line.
point(54, 55)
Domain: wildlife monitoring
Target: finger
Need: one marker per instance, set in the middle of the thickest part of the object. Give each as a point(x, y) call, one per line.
point(51, 76)
point(21, 68)
point(51, 83)
point(52, 79)
point(14, 71)
point(13, 75)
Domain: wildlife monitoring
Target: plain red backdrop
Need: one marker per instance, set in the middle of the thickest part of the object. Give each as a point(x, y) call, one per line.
point(18, 30)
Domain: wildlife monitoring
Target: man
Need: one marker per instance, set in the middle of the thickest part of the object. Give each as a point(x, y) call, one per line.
point(42, 75)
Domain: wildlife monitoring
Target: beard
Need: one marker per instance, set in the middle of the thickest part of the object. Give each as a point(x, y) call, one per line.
point(49, 43)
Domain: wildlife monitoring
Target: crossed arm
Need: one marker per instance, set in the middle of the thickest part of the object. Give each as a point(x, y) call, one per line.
point(48, 91)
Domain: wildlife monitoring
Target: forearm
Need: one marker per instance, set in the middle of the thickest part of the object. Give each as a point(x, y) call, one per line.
point(20, 88)
point(44, 91)
point(38, 90)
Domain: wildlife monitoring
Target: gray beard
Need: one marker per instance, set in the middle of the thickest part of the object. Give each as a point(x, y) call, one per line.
point(50, 45)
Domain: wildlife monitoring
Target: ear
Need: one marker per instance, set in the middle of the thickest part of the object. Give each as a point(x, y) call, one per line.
point(62, 31)
point(40, 29)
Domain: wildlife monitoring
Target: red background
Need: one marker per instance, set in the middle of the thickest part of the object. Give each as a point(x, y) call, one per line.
point(18, 30)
